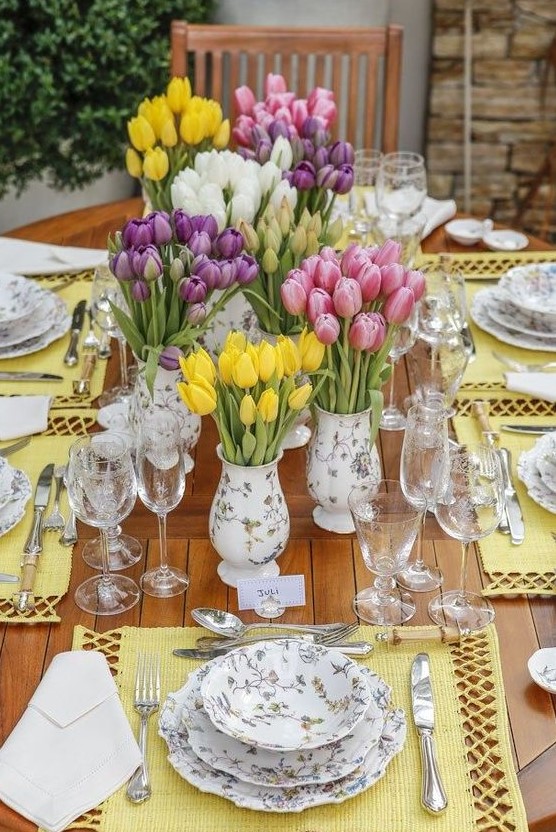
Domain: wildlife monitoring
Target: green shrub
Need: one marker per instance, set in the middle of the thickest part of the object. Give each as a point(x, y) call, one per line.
point(71, 73)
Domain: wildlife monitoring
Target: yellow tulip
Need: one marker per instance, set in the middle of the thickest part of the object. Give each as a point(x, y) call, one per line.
point(178, 94)
point(267, 361)
point(244, 373)
point(191, 128)
point(156, 111)
point(213, 113)
point(313, 245)
point(311, 350)
point(156, 164)
point(298, 242)
point(249, 235)
point(198, 395)
point(225, 368)
point(222, 136)
point(198, 363)
point(248, 411)
point(268, 405)
point(299, 397)
point(141, 134)
point(133, 163)
point(253, 352)
point(235, 339)
point(290, 354)
point(270, 261)
point(279, 363)
point(168, 133)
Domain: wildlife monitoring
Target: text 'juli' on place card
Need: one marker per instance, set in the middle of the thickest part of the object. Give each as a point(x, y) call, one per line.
point(286, 590)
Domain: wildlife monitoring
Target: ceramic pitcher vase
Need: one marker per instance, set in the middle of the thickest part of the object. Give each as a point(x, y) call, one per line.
point(339, 457)
point(249, 521)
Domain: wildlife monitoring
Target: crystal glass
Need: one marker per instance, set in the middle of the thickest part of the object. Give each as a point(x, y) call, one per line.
point(471, 509)
point(123, 550)
point(407, 231)
point(106, 291)
point(102, 490)
point(443, 307)
point(437, 369)
point(423, 476)
point(160, 469)
point(386, 525)
point(401, 185)
point(392, 417)
point(362, 201)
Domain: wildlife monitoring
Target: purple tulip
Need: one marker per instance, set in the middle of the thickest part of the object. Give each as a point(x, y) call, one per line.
point(121, 266)
point(415, 281)
point(319, 303)
point(347, 297)
point(294, 296)
point(137, 232)
point(321, 137)
point(327, 177)
point(247, 269)
point(140, 291)
point(147, 262)
point(229, 243)
point(389, 252)
point(246, 153)
point(392, 277)
point(298, 150)
point(182, 225)
point(161, 229)
point(327, 328)
point(303, 176)
point(205, 224)
point(308, 149)
point(310, 126)
point(259, 134)
point(367, 331)
point(320, 159)
point(263, 151)
point(200, 243)
point(341, 153)
point(197, 313)
point(228, 273)
point(398, 306)
point(207, 269)
point(169, 358)
point(192, 289)
point(344, 183)
point(277, 128)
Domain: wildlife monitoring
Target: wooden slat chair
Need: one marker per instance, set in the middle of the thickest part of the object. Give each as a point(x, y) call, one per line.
point(361, 66)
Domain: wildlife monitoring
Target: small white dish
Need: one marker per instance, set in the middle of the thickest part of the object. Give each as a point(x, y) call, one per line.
point(505, 240)
point(467, 232)
point(542, 667)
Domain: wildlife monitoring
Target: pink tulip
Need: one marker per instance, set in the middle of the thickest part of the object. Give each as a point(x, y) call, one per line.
point(244, 100)
point(319, 302)
point(299, 112)
point(284, 114)
point(328, 253)
point(389, 252)
point(275, 83)
point(350, 253)
point(278, 100)
point(367, 331)
point(303, 277)
point(398, 306)
point(347, 297)
point(242, 130)
point(293, 296)
point(327, 274)
point(319, 93)
point(415, 281)
point(327, 328)
point(392, 277)
point(310, 264)
point(368, 276)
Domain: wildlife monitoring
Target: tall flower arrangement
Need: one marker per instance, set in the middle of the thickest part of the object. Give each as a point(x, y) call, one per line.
point(168, 268)
point(166, 134)
point(353, 303)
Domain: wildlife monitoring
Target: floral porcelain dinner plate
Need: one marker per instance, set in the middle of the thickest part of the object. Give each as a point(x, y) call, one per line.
point(504, 311)
point(533, 286)
point(60, 325)
point(32, 325)
point(280, 768)
point(546, 461)
point(480, 314)
point(529, 474)
point(12, 512)
point(19, 297)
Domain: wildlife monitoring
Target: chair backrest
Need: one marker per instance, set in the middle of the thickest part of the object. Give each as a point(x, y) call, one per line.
point(361, 66)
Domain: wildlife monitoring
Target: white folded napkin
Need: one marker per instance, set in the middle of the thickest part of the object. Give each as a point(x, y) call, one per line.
point(72, 748)
point(23, 415)
point(27, 257)
point(437, 212)
point(540, 385)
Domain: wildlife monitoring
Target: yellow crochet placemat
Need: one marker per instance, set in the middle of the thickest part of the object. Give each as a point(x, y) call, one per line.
point(50, 359)
point(54, 563)
point(529, 567)
point(487, 265)
point(472, 740)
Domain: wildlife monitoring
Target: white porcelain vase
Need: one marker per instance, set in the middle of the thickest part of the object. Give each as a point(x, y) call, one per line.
point(339, 457)
point(249, 521)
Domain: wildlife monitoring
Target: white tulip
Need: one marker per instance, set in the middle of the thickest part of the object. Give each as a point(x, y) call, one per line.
point(242, 207)
point(283, 189)
point(181, 194)
point(269, 176)
point(282, 153)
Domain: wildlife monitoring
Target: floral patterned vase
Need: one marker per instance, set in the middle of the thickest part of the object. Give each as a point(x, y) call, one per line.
point(166, 394)
point(249, 521)
point(339, 457)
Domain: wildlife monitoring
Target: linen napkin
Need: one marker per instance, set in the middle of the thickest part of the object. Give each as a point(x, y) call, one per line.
point(27, 257)
point(72, 748)
point(436, 211)
point(540, 385)
point(23, 415)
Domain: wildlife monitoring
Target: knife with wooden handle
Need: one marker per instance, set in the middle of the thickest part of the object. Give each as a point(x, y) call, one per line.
point(82, 385)
point(480, 409)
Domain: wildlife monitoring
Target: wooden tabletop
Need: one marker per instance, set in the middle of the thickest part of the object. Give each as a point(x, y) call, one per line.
point(523, 624)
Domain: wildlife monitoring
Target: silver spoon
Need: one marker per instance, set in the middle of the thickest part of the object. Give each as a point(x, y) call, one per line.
point(229, 625)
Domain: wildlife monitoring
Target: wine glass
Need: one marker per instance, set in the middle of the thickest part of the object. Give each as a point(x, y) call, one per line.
point(123, 550)
point(392, 417)
point(437, 368)
point(362, 200)
point(407, 231)
point(106, 291)
point(160, 468)
point(401, 184)
point(102, 490)
point(386, 525)
point(443, 307)
point(423, 476)
point(472, 509)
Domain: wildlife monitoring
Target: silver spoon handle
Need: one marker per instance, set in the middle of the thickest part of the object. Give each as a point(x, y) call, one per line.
point(69, 535)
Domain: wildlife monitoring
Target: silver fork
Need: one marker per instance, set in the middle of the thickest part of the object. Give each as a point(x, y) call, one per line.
point(327, 639)
point(55, 520)
point(146, 702)
point(521, 367)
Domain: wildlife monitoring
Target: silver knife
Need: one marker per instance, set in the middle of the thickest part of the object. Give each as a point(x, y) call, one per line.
point(16, 446)
point(513, 509)
point(71, 357)
point(23, 600)
point(433, 796)
point(533, 430)
point(349, 648)
point(5, 376)
point(6, 578)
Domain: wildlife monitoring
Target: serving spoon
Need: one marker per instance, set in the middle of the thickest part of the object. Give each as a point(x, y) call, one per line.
point(229, 625)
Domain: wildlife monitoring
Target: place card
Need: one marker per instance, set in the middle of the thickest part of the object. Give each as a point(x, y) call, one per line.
point(285, 590)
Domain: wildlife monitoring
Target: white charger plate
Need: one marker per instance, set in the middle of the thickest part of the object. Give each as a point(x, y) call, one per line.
point(503, 311)
point(529, 474)
point(60, 325)
point(32, 325)
point(13, 511)
point(480, 314)
point(19, 297)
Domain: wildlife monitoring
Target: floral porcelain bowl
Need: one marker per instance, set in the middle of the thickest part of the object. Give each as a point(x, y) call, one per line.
point(542, 667)
point(286, 694)
point(533, 287)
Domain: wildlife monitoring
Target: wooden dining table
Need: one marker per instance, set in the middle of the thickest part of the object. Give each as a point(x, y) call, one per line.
point(331, 565)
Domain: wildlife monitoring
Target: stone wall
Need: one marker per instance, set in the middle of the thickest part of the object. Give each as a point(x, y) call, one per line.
point(511, 132)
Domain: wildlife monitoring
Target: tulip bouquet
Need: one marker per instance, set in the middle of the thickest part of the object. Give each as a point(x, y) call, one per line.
point(167, 133)
point(352, 303)
point(254, 392)
point(168, 267)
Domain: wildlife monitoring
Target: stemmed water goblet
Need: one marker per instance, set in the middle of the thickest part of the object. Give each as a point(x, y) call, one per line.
point(471, 509)
point(386, 525)
point(392, 417)
point(401, 185)
point(160, 469)
point(102, 490)
point(362, 199)
point(423, 475)
point(106, 293)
